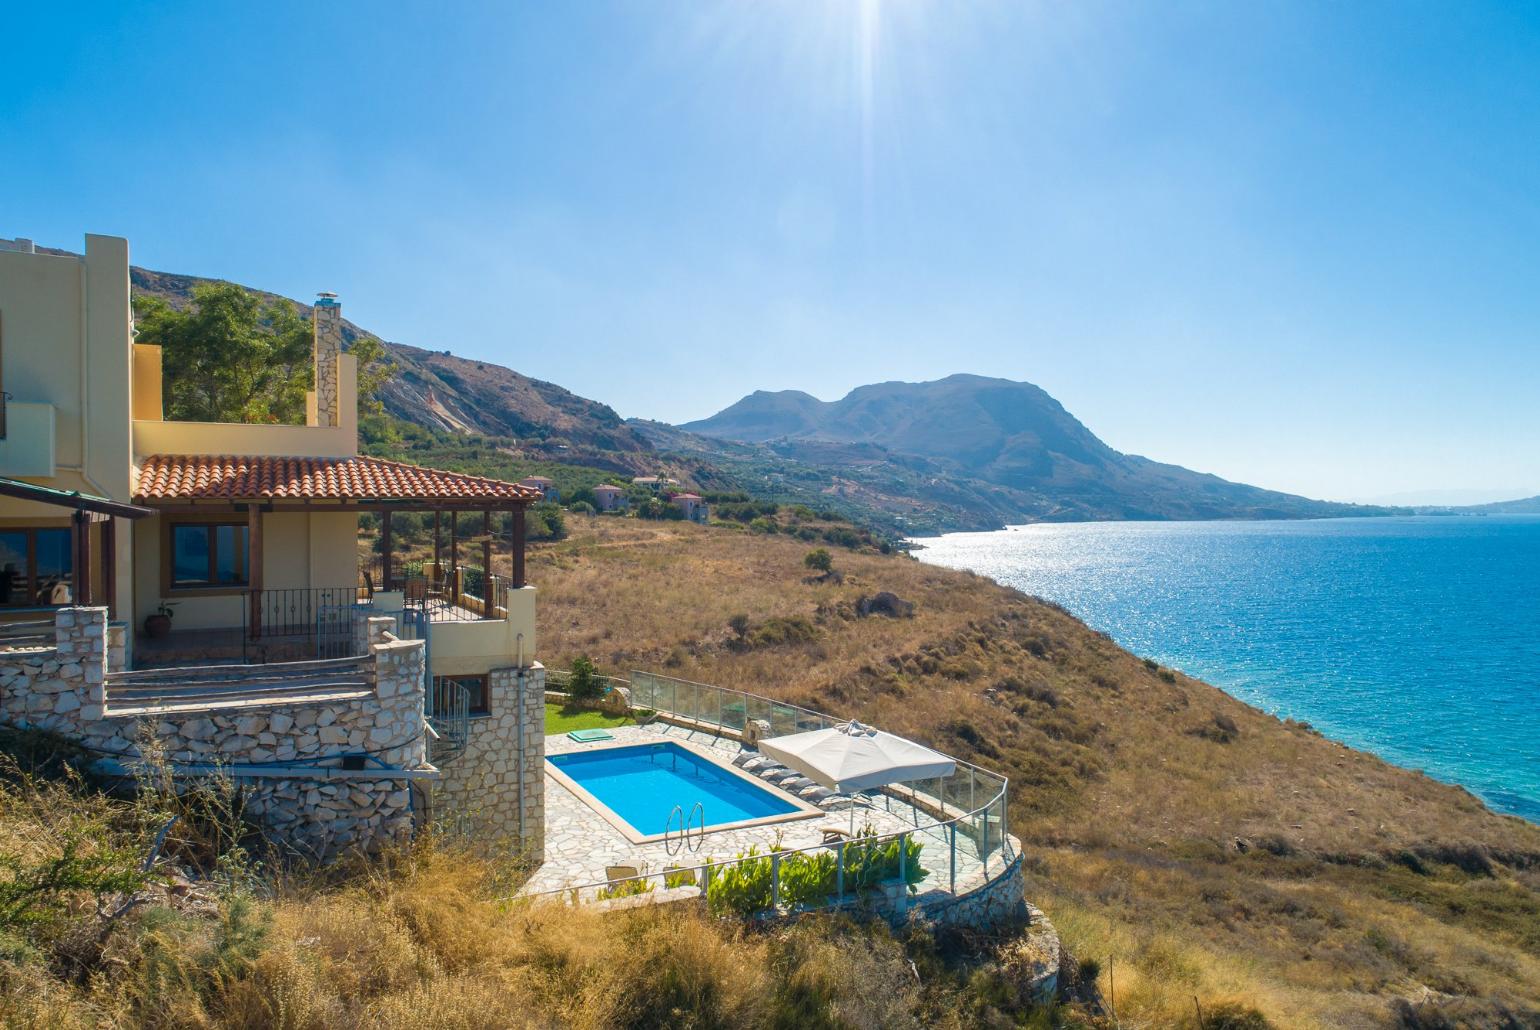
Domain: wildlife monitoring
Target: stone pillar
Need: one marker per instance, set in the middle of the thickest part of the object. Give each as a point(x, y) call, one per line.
point(81, 639)
point(326, 317)
point(117, 647)
point(399, 734)
point(378, 629)
point(520, 693)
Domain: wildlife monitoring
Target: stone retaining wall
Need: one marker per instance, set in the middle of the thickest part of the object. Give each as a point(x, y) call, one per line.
point(498, 783)
point(290, 754)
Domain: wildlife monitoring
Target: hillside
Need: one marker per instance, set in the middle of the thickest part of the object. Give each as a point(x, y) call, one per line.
point(909, 459)
point(438, 390)
point(1191, 845)
point(1522, 506)
point(1012, 435)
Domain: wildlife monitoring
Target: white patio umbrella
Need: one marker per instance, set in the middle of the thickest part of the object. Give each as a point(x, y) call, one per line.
point(852, 757)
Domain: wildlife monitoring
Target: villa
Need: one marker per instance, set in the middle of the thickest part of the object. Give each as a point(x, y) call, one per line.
point(694, 507)
point(197, 589)
point(544, 485)
point(206, 577)
point(608, 497)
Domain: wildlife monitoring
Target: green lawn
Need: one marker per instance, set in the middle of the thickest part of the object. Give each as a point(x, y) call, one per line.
point(565, 720)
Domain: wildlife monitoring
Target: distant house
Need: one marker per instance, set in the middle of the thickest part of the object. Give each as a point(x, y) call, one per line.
point(608, 497)
point(695, 509)
point(547, 488)
point(654, 483)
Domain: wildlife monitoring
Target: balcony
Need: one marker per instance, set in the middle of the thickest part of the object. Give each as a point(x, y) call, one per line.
point(471, 621)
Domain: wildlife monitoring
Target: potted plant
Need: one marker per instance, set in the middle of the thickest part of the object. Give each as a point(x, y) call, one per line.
point(159, 624)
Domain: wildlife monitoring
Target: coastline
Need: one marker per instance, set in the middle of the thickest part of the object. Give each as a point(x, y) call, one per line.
point(1276, 691)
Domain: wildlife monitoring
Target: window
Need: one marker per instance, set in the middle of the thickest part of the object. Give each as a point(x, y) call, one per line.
point(36, 567)
point(208, 554)
point(444, 688)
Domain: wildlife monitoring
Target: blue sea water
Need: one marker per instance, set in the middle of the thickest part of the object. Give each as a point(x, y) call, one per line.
point(643, 783)
point(1415, 638)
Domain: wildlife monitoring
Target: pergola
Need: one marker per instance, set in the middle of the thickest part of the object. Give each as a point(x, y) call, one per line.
point(87, 509)
point(259, 484)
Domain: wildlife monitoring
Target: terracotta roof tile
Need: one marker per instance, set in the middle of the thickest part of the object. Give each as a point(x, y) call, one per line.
point(196, 477)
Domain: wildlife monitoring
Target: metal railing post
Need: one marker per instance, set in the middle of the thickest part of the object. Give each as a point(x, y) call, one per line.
point(903, 871)
point(775, 880)
point(954, 858)
point(839, 871)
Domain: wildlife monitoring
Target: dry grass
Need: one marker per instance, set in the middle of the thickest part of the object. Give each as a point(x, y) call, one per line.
point(1191, 844)
point(417, 942)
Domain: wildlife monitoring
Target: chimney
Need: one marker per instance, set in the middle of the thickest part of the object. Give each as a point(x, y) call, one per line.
point(326, 316)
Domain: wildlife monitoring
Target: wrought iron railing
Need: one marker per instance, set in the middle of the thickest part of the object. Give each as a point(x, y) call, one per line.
point(291, 612)
point(448, 710)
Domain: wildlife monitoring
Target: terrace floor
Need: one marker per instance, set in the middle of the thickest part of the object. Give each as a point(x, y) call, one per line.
point(580, 843)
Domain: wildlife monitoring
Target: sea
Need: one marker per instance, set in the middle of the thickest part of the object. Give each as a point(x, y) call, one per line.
point(1416, 638)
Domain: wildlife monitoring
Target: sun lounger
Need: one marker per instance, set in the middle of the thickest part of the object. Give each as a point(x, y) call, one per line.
point(614, 873)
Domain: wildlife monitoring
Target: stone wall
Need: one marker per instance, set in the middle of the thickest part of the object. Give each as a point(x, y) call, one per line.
point(290, 754)
point(497, 784)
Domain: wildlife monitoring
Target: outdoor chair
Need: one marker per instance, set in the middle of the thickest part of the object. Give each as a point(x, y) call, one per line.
point(816, 793)
point(615, 873)
point(834, 834)
point(414, 592)
point(678, 876)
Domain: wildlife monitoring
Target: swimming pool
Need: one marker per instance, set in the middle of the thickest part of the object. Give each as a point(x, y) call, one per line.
point(637, 786)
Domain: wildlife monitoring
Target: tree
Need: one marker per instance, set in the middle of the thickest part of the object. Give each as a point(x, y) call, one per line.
point(230, 356)
point(585, 684)
point(819, 560)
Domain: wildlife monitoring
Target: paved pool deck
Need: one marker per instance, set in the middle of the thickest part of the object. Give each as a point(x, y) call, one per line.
point(580, 843)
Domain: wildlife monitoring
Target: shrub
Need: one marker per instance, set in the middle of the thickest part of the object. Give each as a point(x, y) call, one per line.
point(741, 887)
point(819, 560)
point(794, 630)
point(581, 508)
point(625, 889)
point(584, 684)
point(764, 525)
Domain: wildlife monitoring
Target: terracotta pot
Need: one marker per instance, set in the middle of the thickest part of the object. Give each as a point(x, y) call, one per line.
point(157, 626)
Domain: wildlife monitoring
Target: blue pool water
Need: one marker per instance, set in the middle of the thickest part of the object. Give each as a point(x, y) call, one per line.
point(643, 783)
point(1415, 638)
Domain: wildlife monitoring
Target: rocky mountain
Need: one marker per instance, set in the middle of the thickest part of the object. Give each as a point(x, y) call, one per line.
point(965, 452)
point(1014, 436)
point(438, 390)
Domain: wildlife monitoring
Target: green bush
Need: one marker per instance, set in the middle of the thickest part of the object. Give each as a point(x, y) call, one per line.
point(811, 879)
point(625, 889)
point(742, 887)
point(585, 683)
point(819, 560)
point(581, 508)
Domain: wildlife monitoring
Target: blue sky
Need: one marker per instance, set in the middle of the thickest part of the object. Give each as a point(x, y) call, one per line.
point(1292, 244)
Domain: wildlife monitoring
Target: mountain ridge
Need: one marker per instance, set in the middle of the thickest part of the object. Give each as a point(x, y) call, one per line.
point(976, 453)
point(1014, 435)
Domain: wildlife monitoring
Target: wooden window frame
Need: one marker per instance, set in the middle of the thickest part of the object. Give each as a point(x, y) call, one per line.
point(29, 574)
point(168, 585)
point(483, 691)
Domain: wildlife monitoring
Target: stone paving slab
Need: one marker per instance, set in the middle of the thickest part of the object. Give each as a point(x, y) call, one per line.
point(579, 843)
